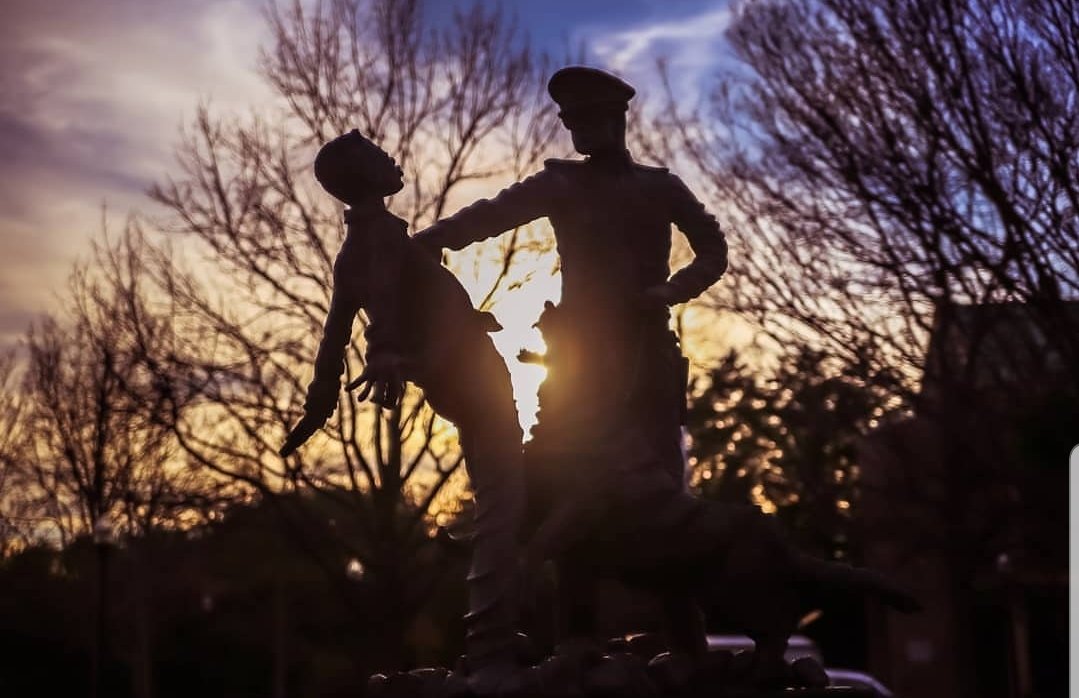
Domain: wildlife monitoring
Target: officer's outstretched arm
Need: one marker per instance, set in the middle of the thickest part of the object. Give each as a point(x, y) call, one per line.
point(707, 241)
point(514, 206)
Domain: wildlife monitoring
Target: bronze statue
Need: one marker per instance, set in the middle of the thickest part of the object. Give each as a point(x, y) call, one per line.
point(606, 494)
point(605, 467)
point(615, 389)
point(423, 328)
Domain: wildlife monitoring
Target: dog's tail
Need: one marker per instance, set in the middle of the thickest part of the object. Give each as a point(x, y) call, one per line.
point(835, 576)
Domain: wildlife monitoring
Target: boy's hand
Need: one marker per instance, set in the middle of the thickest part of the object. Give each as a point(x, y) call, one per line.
point(383, 380)
point(317, 408)
point(321, 399)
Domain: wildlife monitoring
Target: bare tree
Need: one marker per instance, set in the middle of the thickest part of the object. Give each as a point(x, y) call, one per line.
point(883, 162)
point(900, 182)
point(457, 108)
point(86, 445)
point(21, 524)
point(97, 445)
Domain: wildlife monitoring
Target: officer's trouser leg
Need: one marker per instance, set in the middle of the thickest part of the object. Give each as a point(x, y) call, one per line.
point(577, 598)
point(684, 624)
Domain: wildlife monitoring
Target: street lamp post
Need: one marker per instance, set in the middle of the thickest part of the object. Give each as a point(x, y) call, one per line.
point(1018, 628)
point(102, 537)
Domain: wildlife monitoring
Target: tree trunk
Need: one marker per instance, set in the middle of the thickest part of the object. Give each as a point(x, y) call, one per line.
point(142, 677)
point(280, 627)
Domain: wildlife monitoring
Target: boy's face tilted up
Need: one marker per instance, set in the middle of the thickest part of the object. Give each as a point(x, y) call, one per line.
point(353, 169)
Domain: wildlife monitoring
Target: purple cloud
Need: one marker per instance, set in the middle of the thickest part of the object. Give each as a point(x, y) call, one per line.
point(92, 94)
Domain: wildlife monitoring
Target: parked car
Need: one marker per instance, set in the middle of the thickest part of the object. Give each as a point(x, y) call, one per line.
point(857, 679)
point(798, 646)
point(802, 646)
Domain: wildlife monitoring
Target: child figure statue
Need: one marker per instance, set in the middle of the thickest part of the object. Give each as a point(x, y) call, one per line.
point(423, 328)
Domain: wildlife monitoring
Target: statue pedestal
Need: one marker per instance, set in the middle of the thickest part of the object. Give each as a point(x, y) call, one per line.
point(588, 672)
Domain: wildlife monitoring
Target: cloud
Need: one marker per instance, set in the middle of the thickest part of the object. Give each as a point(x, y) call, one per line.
point(92, 95)
point(693, 46)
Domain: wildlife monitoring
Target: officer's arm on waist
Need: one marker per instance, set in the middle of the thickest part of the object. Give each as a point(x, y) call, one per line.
point(513, 206)
point(707, 241)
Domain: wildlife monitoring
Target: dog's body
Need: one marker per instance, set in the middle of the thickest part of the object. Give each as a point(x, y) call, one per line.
point(732, 560)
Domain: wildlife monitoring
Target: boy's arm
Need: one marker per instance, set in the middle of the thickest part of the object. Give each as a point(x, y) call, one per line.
point(323, 391)
point(336, 335)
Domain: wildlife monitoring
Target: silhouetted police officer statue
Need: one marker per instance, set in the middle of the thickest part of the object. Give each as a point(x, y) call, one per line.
point(615, 388)
point(423, 328)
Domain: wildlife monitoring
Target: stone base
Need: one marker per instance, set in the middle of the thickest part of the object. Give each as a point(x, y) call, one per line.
point(620, 670)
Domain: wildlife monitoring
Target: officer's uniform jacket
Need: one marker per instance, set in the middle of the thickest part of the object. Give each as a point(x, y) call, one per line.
point(612, 226)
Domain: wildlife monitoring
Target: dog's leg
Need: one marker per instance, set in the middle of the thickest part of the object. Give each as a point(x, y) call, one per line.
point(769, 666)
point(684, 625)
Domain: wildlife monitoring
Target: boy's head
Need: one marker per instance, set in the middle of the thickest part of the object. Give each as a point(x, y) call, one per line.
point(352, 168)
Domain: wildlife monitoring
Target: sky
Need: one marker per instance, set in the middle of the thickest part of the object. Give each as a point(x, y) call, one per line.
point(93, 94)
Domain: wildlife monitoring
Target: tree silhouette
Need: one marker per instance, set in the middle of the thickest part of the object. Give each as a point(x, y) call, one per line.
point(20, 518)
point(788, 440)
point(883, 162)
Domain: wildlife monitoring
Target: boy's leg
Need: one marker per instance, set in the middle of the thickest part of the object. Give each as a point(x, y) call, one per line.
point(473, 390)
point(684, 624)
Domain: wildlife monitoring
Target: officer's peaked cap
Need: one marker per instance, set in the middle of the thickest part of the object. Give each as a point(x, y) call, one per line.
point(582, 88)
